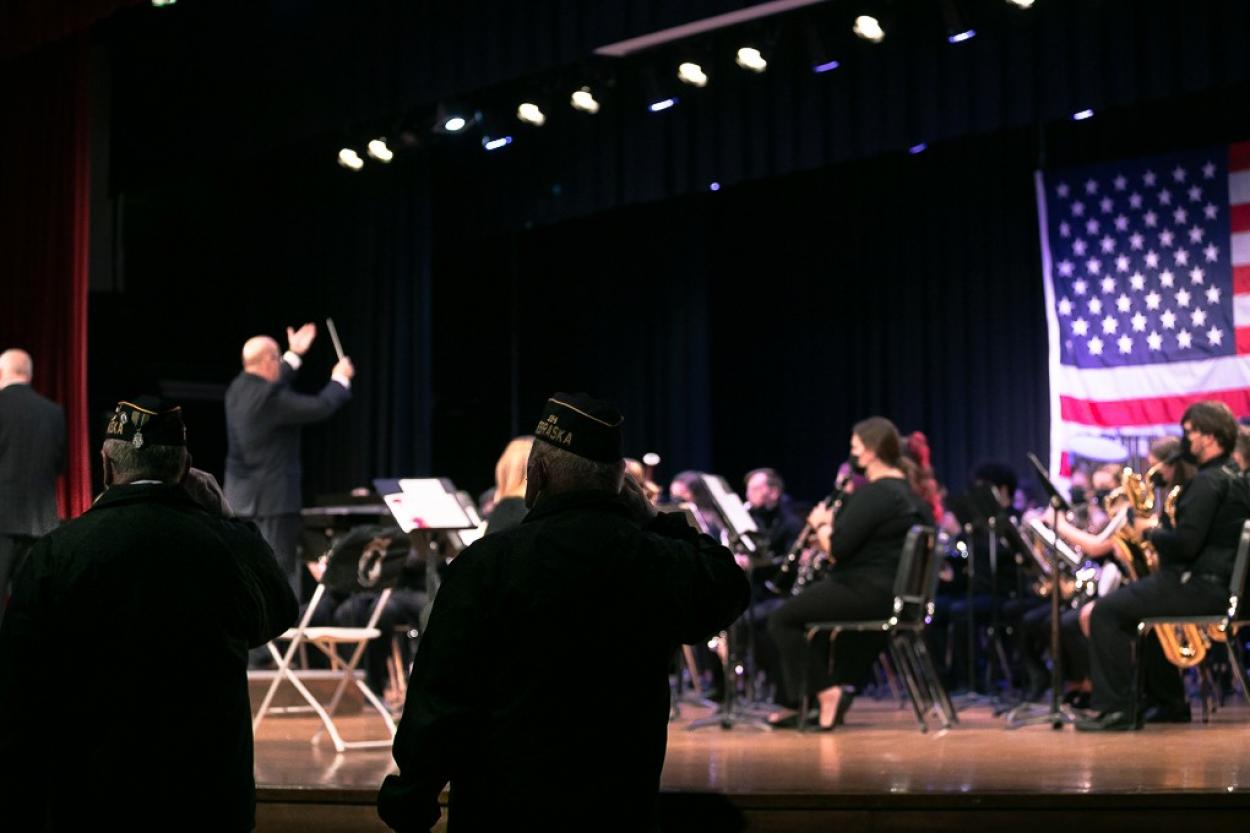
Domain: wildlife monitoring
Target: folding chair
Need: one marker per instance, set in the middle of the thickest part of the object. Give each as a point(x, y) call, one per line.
point(365, 560)
point(1227, 624)
point(915, 585)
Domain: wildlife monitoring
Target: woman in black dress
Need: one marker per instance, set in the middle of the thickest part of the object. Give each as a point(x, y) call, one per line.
point(865, 541)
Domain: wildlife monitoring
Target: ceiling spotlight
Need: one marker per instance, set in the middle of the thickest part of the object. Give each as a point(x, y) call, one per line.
point(530, 113)
point(1083, 115)
point(750, 58)
point(584, 100)
point(1021, 4)
point(957, 28)
point(819, 57)
point(868, 28)
point(496, 143)
point(920, 148)
point(662, 104)
point(454, 124)
point(160, 4)
point(692, 74)
point(351, 160)
point(961, 36)
point(379, 151)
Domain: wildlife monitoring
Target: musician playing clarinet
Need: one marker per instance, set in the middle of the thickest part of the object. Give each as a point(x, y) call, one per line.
point(864, 542)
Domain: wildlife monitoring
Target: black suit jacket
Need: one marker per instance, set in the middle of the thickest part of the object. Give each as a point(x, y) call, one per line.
point(32, 454)
point(147, 724)
point(263, 422)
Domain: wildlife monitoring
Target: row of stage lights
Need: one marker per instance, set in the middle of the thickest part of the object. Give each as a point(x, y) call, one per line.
point(749, 58)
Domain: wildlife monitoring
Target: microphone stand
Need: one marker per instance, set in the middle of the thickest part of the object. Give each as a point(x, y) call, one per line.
point(1058, 714)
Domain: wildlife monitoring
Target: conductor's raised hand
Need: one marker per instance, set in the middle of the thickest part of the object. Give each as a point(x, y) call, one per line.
point(298, 341)
point(344, 368)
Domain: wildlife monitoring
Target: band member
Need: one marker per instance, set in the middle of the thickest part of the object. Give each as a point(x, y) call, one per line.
point(865, 541)
point(1197, 561)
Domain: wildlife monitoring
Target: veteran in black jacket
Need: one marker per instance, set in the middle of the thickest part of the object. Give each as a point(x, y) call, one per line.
point(593, 585)
point(32, 455)
point(123, 660)
point(264, 417)
point(1196, 565)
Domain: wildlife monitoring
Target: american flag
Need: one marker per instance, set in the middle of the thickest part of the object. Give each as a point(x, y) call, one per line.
point(1147, 270)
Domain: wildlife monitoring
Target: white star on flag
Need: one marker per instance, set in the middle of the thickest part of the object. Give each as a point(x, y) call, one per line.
point(1080, 327)
point(1178, 174)
point(1165, 197)
point(1179, 216)
point(1126, 344)
point(1208, 170)
point(1078, 209)
point(1079, 285)
point(1182, 257)
point(1121, 223)
point(1195, 234)
point(1165, 278)
point(1182, 298)
point(1168, 319)
point(1135, 240)
point(1095, 346)
point(1121, 263)
point(1195, 193)
point(1091, 186)
point(1110, 325)
point(1152, 259)
point(1120, 182)
point(1212, 252)
point(1065, 268)
point(1065, 306)
point(1106, 205)
point(1213, 295)
point(1154, 340)
point(1196, 275)
point(1065, 230)
point(1139, 323)
point(1210, 210)
point(1165, 237)
point(1152, 300)
point(1095, 306)
point(1091, 226)
point(1108, 285)
point(1078, 247)
point(1134, 200)
point(1062, 189)
point(1108, 244)
point(1184, 339)
point(1093, 266)
point(1215, 335)
point(1149, 179)
point(1151, 218)
point(1123, 304)
point(1198, 317)
point(1137, 281)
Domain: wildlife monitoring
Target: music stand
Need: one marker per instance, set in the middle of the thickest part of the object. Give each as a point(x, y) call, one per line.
point(739, 528)
point(1057, 715)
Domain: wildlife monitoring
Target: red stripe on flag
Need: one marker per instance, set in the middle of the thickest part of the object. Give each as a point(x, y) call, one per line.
point(1239, 156)
point(1239, 217)
point(1241, 280)
point(1158, 410)
point(1243, 340)
point(1065, 464)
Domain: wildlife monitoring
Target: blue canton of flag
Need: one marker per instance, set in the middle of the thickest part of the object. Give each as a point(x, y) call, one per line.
point(1140, 261)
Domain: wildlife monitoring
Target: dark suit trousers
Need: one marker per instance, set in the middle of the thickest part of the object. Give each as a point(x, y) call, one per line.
point(835, 598)
point(1113, 635)
point(282, 532)
point(13, 550)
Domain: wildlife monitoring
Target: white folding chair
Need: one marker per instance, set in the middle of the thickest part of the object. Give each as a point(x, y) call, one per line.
point(366, 559)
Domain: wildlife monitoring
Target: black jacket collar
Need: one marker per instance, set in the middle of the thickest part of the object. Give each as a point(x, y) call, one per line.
point(572, 501)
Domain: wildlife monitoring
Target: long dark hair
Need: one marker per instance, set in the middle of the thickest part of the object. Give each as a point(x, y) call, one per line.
point(879, 434)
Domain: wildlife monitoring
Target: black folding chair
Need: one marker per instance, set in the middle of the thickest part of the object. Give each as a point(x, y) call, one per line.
point(915, 585)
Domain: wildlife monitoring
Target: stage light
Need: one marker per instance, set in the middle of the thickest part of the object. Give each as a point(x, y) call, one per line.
point(454, 124)
point(1083, 115)
point(351, 160)
point(920, 148)
point(825, 67)
point(1021, 4)
point(715, 186)
point(662, 104)
point(957, 28)
point(496, 143)
point(749, 58)
point(530, 113)
point(585, 101)
point(160, 4)
point(960, 37)
point(868, 28)
point(379, 151)
point(692, 74)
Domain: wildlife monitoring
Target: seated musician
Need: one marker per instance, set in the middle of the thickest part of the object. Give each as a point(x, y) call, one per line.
point(1196, 564)
point(865, 541)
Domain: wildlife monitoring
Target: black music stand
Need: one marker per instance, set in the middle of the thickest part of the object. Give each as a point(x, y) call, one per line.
point(739, 528)
point(1058, 714)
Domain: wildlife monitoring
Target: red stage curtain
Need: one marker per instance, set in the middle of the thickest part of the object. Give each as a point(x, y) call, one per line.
point(44, 236)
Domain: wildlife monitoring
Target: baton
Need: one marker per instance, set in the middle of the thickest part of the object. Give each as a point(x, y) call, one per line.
point(334, 336)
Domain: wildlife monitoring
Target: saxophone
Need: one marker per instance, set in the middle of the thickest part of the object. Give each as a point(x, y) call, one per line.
point(1185, 646)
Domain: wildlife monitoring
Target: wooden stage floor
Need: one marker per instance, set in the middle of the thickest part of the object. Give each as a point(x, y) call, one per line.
point(876, 773)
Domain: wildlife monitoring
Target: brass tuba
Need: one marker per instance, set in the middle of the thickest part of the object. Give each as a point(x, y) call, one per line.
point(1185, 646)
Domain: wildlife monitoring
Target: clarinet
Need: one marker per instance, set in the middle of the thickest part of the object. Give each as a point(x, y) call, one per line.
point(787, 580)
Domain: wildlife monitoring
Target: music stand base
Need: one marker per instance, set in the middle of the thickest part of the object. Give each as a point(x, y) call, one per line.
point(1033, 714)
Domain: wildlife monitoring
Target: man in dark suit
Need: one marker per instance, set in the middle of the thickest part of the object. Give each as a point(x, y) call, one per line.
point(263, 420)
point(145, 725)
point(32, 454)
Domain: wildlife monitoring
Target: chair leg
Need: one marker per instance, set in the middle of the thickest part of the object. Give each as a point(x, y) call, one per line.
point(936, 689)
point(1235, 659)
point(891, 678)
point(805, 698)
point(903, 665)
point(1137, 675)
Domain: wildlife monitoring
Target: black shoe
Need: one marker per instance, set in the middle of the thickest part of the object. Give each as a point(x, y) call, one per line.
point(1175, 713)
point(1077, 699)
point(1109, 722)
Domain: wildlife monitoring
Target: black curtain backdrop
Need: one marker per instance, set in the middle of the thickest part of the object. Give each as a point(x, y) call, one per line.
point(211, 261)
point(833, 276)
